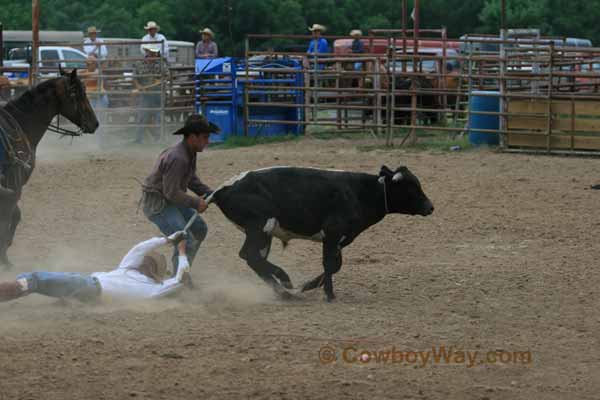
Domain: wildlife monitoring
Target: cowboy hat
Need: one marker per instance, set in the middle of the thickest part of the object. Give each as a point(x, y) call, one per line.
point(208, 32)
point(153, 47)
point(197, 123)
point(154, 266)
point(355, 33)
point(317, 27)
point(151, 25)
point(92, 29)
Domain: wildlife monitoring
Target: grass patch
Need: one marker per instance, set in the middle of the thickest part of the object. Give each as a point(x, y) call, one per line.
point(331, 135)
point(427, 140)
point(444, 143)
point(233, 142)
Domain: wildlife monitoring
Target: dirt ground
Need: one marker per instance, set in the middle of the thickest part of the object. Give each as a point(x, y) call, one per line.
point(505, 264)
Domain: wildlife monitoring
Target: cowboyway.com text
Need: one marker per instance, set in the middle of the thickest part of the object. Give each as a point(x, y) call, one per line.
point(437, 355)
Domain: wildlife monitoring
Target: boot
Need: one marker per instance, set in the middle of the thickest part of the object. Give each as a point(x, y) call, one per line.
point(10, 291)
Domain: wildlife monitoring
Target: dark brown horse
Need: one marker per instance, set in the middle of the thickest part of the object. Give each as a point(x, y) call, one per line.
point(23, 122)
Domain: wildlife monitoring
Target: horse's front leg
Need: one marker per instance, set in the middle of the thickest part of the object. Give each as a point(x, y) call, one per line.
point(14, 222)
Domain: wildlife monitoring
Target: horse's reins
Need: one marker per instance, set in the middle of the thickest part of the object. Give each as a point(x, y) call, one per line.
point(62, 131)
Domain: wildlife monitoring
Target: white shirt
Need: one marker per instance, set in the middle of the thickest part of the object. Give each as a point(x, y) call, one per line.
point(91, 47)
point(126, 282)
point(157, 38)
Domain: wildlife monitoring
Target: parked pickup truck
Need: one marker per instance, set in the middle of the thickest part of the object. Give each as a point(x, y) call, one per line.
point(48, 56)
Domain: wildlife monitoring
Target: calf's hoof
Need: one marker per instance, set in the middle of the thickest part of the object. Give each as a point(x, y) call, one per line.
point(285, 295)
point(312, 284)
point(287, 285)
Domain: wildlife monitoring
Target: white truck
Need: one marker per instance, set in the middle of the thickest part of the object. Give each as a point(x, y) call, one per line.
point(48, 56)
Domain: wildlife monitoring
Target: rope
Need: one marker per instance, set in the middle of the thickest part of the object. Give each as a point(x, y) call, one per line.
point(19, 155)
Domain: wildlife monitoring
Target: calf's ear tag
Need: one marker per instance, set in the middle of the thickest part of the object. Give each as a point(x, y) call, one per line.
point(381, 179)
point(397, 177)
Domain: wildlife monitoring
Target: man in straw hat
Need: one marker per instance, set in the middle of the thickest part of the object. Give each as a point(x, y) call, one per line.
point(152, 35)
point(149, 74)
point(207, 48)
point(165, 200)
point(318, 44)
point(357, 44)
point(92, 45)
point(140, 275)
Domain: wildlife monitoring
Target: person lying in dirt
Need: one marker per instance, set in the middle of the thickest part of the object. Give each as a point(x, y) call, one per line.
point(140, 275)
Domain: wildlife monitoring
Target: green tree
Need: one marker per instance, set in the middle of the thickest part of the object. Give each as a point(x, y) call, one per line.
point(519, 14)
point(232, 20)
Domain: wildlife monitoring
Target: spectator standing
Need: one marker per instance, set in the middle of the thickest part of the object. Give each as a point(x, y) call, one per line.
point(92, 45)
point(207, 48)
point(148, 76)
point(318, 44)
point(152, 35)
point(357, 46)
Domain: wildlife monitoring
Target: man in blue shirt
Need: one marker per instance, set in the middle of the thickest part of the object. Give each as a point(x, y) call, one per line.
point(357, 46)
point(318, 44)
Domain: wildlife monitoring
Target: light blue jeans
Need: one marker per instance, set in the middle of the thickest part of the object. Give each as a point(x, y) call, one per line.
point(62, 285)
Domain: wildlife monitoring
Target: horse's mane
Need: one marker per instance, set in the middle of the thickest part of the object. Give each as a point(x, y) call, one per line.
point(30, 100)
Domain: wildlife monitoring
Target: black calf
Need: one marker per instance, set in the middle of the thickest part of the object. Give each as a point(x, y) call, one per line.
point(332, 207)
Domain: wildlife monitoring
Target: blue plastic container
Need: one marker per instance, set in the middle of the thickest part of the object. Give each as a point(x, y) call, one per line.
point(484, 101)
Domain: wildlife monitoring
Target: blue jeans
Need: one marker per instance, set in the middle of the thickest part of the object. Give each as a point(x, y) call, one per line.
point(62, 285)
point(172, 219)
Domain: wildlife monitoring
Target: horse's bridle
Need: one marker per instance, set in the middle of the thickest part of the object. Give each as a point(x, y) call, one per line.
point(62, 131)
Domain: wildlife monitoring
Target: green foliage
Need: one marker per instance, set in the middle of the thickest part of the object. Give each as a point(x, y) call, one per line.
point(231, 20)
point(520, 13)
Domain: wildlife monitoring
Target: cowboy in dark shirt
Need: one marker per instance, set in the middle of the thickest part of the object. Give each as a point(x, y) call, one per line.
point(165, 200)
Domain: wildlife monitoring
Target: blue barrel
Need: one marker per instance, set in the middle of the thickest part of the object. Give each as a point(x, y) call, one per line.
point(484, 101)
